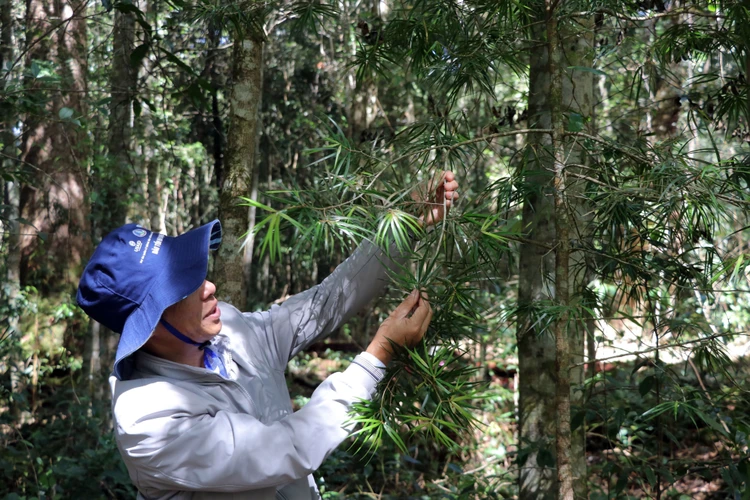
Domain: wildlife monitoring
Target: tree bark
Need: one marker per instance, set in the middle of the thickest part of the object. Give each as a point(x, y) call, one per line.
point(122, 84)
point(248, 253)
point(536, 348)
point(577, 37)
point(55, 202)
point(9, 163)
point(562, 261)
point(244, 107)
point(6, 35)
point(10, 225)
point(365, 92)
point(557, 96)
point(157, 216)
point(113, 184)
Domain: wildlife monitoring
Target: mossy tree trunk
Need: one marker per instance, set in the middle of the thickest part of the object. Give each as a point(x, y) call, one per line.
point(244, 106)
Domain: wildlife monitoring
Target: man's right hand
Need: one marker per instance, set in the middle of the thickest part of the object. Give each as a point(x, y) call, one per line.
point(405, 326)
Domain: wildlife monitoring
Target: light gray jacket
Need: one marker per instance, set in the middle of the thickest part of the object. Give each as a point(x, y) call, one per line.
point(188, 433)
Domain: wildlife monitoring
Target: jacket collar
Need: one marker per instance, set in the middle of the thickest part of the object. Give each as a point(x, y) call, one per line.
point(148, 365)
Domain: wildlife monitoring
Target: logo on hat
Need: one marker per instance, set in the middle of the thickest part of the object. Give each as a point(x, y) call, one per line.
point(139, 232)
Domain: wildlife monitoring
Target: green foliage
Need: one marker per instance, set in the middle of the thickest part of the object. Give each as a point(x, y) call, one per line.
point(664, 177)
point(69, 456)
point(57, 443)
point(428, 392)
point(653, 237)
point(627, 427)
point(243, 18)
point(455, 47)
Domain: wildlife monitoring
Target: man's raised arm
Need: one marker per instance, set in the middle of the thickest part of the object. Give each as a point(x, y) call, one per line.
point(315, 313)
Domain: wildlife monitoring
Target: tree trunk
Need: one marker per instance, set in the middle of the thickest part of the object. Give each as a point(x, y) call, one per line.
point(536, 348)
point(55, 203)
point(10, 165)
point(244, 107)
point(157, 216)
point(122, 84)
point(365, 92)
point(363, 110)
point(562, 260)
point(113, 184)
point(549, 272)
point(248, 253)
point(577, 46)
point(10, 295)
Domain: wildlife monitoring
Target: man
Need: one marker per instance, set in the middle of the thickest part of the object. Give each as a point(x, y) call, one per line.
point(200, 403)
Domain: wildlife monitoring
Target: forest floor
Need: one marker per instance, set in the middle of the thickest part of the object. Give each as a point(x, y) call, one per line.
point(690, 487)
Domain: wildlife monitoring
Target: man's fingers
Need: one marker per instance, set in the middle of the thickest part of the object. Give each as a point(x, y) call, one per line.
point(426, 320)
point(405, 307)
point(440, 192)
point(450, 186)
point(443, 182)
point(422, 311)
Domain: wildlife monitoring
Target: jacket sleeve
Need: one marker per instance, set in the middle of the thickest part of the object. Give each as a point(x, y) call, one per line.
point(180, 446)
point(315, 313)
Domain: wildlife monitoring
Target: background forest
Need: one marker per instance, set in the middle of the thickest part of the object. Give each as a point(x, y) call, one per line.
point(591, 287)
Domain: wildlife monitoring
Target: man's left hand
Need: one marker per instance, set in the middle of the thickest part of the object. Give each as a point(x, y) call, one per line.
point(441, 194)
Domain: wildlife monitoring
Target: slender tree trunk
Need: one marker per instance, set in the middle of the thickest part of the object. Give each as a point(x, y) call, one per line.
point(6, 35)
point(13, 287)
point(150, 172)
point(113, 184)
point(153, 189)
point(577, 51)
point(10, 165)
point(244, 107)
point(217, 126)
point(536, 348)
point(550, 272)
point(11, 227)
point(363, 110)
point(562, 260)
point(365, 92)
point(122, 84)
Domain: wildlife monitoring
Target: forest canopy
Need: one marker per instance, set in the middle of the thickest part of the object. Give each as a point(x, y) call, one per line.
point(590, 287)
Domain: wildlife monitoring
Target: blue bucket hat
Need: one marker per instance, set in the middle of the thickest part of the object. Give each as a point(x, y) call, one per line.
point(135, 274)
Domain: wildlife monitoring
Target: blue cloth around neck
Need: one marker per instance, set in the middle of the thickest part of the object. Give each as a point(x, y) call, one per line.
point(211, 360)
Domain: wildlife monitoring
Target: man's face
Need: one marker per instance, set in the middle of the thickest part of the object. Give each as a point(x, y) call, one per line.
point(197, 315)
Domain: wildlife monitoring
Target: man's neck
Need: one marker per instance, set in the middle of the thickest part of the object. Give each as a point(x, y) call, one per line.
point(164, 345)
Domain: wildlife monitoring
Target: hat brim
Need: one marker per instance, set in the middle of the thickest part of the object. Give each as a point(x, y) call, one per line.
point(186, 266)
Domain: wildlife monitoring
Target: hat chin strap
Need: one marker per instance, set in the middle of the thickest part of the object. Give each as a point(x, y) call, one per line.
point(174, 331)
point(211, 360)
